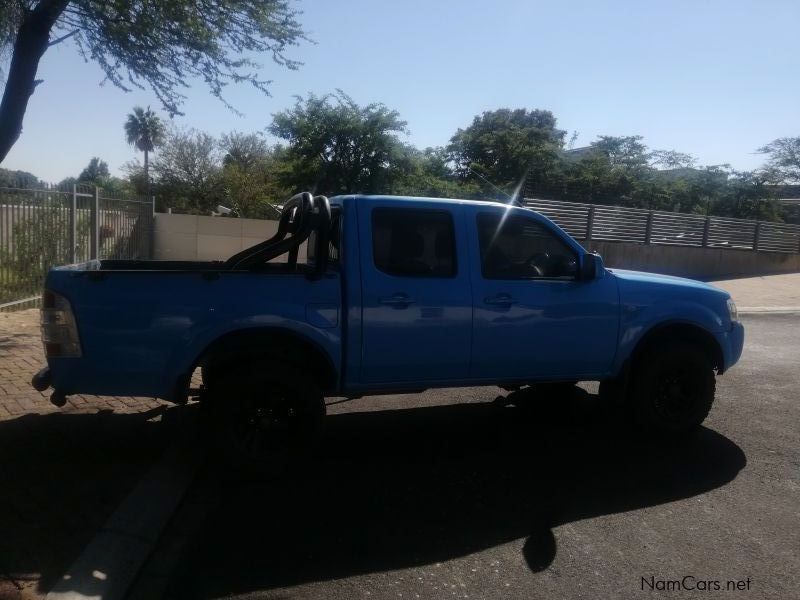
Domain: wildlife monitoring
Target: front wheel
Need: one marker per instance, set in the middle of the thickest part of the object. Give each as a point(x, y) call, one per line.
point(673, 388)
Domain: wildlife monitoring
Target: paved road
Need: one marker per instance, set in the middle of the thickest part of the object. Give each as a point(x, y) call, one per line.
point(444, 495)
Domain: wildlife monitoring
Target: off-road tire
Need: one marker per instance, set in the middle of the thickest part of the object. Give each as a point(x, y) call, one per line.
point(672, 388)
point(265, 416)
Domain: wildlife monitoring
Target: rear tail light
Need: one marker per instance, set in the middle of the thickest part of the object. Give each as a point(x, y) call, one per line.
point(59, 331)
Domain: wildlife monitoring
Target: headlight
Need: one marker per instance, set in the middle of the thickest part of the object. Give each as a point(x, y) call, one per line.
point(732, 312)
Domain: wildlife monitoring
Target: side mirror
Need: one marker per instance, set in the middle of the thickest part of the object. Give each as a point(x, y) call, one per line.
point(591, 267)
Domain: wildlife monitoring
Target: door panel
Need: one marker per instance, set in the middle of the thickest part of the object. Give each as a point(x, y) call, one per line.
point(417, 310)
point(533, 319)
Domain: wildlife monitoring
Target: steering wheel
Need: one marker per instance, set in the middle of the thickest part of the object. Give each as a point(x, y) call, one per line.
point(539, 263)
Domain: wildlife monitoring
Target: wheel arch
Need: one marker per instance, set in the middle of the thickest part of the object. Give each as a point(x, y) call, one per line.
point(278, 343)
point(678, 331)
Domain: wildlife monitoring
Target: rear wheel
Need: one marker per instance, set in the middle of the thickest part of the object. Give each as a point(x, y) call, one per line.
point(673, 388)
point(265, 415)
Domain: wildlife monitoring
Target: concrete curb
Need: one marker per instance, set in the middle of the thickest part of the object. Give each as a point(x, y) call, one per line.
point(108, 566)
point(760, 310)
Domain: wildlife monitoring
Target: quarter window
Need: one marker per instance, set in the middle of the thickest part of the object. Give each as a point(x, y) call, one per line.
point(516, 247)
point(414, 243)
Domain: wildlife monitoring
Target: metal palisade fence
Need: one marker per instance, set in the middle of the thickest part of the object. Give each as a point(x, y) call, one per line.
point(622, 224)
point(43, 226)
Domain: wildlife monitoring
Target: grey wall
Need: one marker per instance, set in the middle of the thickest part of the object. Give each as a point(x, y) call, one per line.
point(194, 237)
point(698, 263)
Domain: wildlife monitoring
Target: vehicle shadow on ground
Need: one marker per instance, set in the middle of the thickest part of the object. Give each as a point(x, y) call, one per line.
point(402, 488)
point(61, 477)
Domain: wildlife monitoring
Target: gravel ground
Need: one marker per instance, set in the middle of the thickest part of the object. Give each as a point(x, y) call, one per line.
point(445, 495)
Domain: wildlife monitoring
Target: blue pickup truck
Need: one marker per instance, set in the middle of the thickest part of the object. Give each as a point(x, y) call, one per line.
point(391, 295)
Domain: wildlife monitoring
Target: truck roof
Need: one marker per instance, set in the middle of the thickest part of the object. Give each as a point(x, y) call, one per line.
point(382, 197)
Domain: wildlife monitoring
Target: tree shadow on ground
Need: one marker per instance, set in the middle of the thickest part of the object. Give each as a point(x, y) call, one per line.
point(403, 488)
point(11, 340)
point(61, 477)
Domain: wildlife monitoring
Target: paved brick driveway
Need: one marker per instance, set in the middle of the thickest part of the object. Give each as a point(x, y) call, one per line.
point(62, 471)
point(21, 356)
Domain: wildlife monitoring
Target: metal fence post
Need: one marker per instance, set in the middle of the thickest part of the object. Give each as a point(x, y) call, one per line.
point(589, 223)
point(648, 231)
point(73, 226)
point(94, 242)
point(706, 229)
point(151, 230)
point(756, 235)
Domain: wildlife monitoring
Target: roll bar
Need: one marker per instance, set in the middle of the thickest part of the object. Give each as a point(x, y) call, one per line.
point(302, 216)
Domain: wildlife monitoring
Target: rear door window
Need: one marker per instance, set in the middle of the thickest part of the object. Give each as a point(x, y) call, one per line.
point(414, 242)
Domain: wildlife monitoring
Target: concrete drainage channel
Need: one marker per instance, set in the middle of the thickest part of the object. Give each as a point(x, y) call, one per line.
point(109, 566)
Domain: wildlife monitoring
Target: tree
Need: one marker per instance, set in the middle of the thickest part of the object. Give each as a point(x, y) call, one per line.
point(144, 131)
point(95, 172)
point(505, 146)
point(187, 172)
point(428, 173)
point(592, 178)
point(21, 179)
point(252, 173)
point(161, 44)
point(624, 151)
point(337, 146)
point(783, 163)
point(672, 159)
point(243, 149)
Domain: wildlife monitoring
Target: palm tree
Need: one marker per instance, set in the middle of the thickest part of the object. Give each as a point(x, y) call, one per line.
point(144, 130)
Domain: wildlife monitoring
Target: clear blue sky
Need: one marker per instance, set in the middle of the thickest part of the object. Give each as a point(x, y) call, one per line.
point(713, 78)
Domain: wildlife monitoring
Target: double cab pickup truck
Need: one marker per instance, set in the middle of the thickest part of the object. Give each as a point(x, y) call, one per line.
point(390, 295)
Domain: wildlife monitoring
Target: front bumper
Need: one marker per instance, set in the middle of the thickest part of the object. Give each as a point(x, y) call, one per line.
point(732, 343)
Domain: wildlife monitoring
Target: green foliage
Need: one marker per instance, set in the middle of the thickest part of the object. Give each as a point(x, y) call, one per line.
point(252, 183)
point(333, 146)
point(95, 172)
point(243, 150)
point(11, 14)
point(783, 162)
point(166, 45)
point(41, 242)
point(187, 172)
point(626, 152)
point(672, 159)
point(337, 146)
point(428, 173)
point(195, 172)
point(22, 179)
point(505, 146)
point(144, 130)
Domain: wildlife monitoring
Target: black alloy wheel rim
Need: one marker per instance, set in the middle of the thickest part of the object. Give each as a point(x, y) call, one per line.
point(264, 423)
point(676, 393)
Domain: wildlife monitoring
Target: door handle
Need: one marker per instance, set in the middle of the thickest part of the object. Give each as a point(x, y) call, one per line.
point(499, 300)
point(397, 300)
